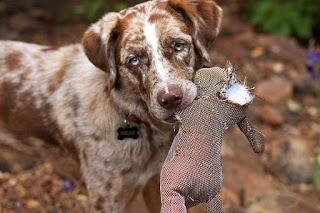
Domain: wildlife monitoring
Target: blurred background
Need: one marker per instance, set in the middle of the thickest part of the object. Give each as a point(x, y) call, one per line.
point(274, 42)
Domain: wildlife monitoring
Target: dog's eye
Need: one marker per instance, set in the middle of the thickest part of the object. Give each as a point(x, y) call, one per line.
point(179, 47)
point(134, 61)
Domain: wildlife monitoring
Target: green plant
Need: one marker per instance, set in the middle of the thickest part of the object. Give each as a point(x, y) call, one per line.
point(89, 8)
point(316, 171)
point(92, 10)
point(316, 175)
point(298, 18)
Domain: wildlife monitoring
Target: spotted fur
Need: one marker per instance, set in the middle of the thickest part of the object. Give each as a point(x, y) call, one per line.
point(65, 104)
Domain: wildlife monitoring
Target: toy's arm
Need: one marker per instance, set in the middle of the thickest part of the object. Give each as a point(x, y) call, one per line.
point(254, 136)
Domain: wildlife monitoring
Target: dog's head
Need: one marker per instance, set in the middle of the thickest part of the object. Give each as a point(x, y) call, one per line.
point(154, 49)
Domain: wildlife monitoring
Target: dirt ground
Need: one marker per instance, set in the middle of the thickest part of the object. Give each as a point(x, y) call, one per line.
point(279, 180)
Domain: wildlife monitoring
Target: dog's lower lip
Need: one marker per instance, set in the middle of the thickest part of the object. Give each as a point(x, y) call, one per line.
point(170, 119)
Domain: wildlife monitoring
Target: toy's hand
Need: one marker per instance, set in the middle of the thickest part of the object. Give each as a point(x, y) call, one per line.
point(254, 136)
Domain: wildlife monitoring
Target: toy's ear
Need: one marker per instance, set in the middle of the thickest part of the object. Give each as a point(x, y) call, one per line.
point(203, 18)
point(99, 43)
point(254, 136)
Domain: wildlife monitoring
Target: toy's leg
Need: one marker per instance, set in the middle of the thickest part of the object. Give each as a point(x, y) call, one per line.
point(254, 136)
point(215, 205)
point(173, 203)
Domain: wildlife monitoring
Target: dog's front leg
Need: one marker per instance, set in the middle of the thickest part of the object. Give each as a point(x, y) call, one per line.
point(151, 194)
point(110, 188)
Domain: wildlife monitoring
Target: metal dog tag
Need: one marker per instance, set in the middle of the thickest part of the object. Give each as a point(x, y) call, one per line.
point(127, 132)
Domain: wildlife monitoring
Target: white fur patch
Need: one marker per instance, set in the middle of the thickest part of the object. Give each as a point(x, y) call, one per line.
point(219, 19)
point(153, 40)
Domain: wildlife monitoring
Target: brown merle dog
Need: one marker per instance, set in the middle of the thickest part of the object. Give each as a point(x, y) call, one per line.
point(68, 105)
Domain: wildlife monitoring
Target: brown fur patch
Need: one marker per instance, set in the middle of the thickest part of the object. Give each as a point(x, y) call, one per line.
point(57, 78)
point(142, 9)
point(72, 149)
point(125, 171)
point(131, 15)
point(75, 105)
point(85, 158)
point(98, 205)
point(18, 118)
point(108, 186)
point(13, 60)
point(157, 17)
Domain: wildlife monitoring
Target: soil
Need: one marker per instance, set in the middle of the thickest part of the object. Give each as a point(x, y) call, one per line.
point(279, 180)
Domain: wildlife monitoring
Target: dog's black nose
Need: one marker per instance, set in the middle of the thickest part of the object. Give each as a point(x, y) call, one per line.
point(170, 97)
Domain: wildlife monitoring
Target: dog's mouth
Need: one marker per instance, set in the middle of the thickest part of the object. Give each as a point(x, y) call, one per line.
point(172, 119)
point(171, 98)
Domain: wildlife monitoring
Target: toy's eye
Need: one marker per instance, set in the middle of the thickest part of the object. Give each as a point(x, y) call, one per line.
point(179, 47)
point(134, 61)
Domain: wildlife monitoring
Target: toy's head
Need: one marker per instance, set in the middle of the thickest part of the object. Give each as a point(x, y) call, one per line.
point(220, 90)
point(224, 84)
point(222, 102)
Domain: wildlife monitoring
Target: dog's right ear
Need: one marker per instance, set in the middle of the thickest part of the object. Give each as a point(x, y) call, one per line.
point(99, 43)
point(203, 18)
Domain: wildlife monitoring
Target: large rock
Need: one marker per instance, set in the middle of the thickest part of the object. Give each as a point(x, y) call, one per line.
point(275, 90)
point(303, 84)
point(290, 159)
point(13, 162)
point(244, 176)
point(283, 202)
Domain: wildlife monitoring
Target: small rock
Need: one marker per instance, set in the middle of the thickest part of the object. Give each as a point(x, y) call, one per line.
point(278, 67)
point(4, 177)
point(257, 52)
point(82, 197)
point(12, 182)
point(292, 117)
point(276, 90)
point(313, 112)
point(271, 115)
point(32, 204)
point(294, 106)
point(314, 127)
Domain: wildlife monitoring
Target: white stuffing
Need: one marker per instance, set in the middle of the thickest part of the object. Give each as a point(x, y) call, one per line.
point(239, 94)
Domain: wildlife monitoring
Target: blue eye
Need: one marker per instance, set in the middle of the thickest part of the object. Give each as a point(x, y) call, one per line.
point(134, 61)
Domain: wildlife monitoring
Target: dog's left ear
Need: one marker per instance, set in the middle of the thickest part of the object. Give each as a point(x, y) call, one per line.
point(203, 18)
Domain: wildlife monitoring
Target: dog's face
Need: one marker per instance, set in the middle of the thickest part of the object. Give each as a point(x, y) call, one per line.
point(154, 49)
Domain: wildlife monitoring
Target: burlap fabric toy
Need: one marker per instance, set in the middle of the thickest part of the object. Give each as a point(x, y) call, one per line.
point(192, 172)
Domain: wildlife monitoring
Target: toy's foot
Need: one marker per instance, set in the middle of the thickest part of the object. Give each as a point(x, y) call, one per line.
point(215, 205)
